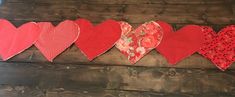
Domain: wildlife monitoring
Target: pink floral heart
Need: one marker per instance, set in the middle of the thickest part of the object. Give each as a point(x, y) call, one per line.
point(137, 43)
point(219, 48)
point(54, 40)
point(15, 40)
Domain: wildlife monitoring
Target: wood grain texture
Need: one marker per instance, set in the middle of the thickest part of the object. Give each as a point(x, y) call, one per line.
point(25, 91)
point(73, 77)
point(116, 2)
point(29, 74)
point(49, 10)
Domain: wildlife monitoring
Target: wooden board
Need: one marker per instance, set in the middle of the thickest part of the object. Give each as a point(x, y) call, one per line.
point(49, 10)
point(77, 77)
point(29, 74)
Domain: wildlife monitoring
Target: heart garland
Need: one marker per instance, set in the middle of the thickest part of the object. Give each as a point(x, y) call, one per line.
point(137, 43)
point(15, 40)
point(134, 44)
point(54, 40)
point(219, 48)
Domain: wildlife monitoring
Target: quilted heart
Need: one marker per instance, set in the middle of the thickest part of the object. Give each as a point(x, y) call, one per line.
point(54, 40)
point(15, 40)
point(178, 45)
point(137, 43)
point(96, 40)
point(219, 48)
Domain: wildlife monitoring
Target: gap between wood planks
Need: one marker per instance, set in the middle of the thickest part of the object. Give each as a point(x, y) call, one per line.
point(80, 77)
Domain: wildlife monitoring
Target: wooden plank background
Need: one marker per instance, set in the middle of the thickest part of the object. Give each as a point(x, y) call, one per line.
point(29, 74)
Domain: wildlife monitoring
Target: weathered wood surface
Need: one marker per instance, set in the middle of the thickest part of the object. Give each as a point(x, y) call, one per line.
point(216, 12)
point(29, 74)
point(24, 91)
point(75, 77)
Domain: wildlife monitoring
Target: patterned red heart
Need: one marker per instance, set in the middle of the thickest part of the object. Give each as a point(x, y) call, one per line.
point(137, 43)
point(178, 45)
point(15, 40)
point(96, 40)
point(54, 40)
point(219, 48)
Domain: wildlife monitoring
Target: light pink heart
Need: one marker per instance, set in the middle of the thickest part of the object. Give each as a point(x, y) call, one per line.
point(15, 40)
point(54, 40)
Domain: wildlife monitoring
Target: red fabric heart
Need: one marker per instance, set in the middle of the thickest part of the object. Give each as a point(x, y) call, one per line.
point(219, 48)
point(96, 40)
point(178, 45)
point(137, 43)
point(15, 40)
point(54, 40)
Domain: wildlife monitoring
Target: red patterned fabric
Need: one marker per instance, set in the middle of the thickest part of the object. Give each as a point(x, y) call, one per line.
point(54, 40)
point(96, 40)
point(219, 48)
point(178, 45)
point(15, 40)
point(137, 43)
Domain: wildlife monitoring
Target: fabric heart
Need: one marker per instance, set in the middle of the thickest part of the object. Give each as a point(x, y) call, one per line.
point(219, 48)
point(54, 40)
point(137, 43)
point(178, 45)
point(15, 40)
point(96, 40)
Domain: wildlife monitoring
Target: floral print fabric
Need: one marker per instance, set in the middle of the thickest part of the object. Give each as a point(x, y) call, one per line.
point(219, 48)
point(135, 44)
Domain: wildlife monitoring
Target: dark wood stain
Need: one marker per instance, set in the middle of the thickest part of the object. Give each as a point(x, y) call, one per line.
point(29, 74)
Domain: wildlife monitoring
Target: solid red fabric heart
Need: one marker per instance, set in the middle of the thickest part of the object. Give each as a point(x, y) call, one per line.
point(96, 40)
point(219, 48)
point(15, 40)
point(137, 43)
point(54, 40)
point(178, 45)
